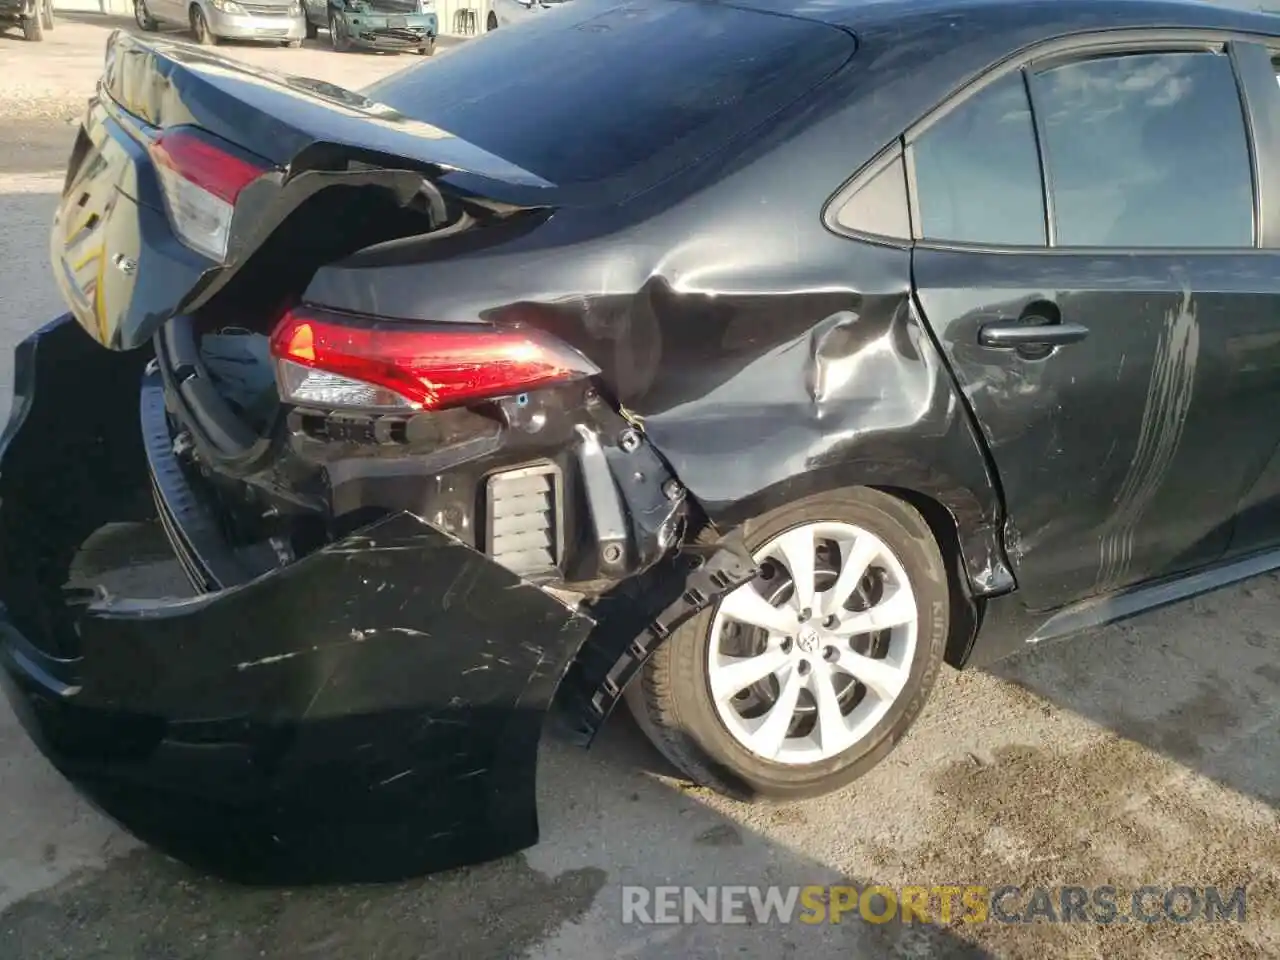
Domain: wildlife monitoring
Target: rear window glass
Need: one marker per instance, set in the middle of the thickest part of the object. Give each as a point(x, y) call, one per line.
point(596, 89)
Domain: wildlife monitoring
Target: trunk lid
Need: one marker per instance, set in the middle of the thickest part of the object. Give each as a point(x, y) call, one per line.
point(121, 266)
point(278, 116)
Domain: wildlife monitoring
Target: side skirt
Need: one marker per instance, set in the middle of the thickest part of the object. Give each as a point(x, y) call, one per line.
point(1008, 627)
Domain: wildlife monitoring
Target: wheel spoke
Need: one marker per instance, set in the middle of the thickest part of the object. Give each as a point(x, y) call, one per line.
point(797, 548)
point(745, 605)
point(769, 737)
point(852, 570)
point(832, 729)
point(816, 657)
point(882, 677)
point(898, 608)
point(731, 675)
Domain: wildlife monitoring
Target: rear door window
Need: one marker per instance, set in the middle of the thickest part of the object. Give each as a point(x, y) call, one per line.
point(977, 171)
point(1146, 150)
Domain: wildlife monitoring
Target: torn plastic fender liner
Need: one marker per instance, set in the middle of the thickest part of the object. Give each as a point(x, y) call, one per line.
point(634, 619)
point(368, 712)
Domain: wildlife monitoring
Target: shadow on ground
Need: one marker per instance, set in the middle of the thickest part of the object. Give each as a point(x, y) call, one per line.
point(606, 825)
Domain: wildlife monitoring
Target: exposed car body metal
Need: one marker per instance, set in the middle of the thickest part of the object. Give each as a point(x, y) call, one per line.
point(391, 730)
point(747, 355)
point(376, 24)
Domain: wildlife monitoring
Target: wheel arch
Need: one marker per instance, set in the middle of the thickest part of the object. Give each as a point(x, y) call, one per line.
point(965, 520)
point(965, 614)
point(966, 559)
point(609, 661)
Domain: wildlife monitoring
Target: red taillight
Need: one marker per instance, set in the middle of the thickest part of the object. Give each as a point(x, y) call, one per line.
point(201, 182)
point(329, 361)
point(199, 162)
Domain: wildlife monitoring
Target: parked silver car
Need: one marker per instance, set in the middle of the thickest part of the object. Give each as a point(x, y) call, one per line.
point(211, 21)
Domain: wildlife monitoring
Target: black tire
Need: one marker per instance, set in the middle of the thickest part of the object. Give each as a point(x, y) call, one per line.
point(338, 35)
point(492, 23)
point(33, 27)
point(312, 30)
point(671, 699)
point(429, 50)
point(143, 16)
point(46, 15)
point(200, 28)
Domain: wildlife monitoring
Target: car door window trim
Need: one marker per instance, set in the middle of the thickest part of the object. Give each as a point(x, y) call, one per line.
point(1253, 62)
point(831, 212)
point(1040, 93)
point(1066, 50)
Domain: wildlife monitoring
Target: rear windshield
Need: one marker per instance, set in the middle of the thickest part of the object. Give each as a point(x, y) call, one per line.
point(593, 90)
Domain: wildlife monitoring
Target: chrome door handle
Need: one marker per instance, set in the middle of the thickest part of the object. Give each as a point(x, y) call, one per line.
point(1010, 334)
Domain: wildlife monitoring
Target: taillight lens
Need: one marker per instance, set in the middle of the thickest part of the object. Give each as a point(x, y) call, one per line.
point(201, 181)
point(330, 361)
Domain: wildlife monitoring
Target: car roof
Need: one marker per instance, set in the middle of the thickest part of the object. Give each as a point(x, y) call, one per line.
point(913, 54)
point(987, 15)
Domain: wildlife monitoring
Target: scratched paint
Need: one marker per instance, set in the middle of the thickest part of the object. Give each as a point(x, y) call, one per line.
point(1169, 394)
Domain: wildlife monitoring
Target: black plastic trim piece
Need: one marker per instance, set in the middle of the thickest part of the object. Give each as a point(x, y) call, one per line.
point(208, 561)
point(695, 577)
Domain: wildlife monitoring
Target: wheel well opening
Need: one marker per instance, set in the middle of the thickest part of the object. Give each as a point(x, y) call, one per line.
point(964, 612)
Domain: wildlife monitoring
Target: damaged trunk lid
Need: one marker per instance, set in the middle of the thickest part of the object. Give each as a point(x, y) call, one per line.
point(188, 164)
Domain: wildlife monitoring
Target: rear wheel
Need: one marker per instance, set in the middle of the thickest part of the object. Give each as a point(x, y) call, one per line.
point(338, 34)
point(200, 28)
point(492, 22)
point(803, 680)
point(143, 16)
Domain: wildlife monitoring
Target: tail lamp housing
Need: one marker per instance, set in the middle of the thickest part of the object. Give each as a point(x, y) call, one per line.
point(338, 361)
point(201, 177)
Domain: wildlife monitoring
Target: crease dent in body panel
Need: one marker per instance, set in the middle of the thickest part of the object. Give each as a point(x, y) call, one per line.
point(1169, 394)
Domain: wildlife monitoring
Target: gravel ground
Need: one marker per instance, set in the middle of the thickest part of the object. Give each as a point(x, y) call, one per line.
point(1145, 753)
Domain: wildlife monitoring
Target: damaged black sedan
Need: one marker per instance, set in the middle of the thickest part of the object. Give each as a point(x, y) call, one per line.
point(749, 383)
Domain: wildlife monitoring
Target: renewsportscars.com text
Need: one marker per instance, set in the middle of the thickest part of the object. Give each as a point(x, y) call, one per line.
point(932, 904)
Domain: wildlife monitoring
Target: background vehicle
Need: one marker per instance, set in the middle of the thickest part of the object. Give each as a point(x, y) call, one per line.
point(507, 12)
point(375, 24)
point(214, 20)
point(33, 16)
point(703, 380)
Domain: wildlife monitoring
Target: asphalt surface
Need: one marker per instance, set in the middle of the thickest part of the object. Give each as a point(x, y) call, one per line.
point(1147, 753)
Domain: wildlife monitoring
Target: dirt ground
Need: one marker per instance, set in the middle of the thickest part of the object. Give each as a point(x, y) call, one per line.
point(1147, 753)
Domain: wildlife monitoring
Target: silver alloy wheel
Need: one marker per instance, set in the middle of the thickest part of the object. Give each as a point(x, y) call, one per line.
point(806, 660)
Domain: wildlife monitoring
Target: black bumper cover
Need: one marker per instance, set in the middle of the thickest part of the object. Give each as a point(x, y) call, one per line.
point(372, 711)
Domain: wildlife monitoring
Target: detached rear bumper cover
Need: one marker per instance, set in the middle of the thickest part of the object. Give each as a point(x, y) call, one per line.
point(370, 711)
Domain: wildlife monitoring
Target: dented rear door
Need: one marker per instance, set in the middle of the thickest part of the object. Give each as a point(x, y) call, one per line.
point(1116, 381)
